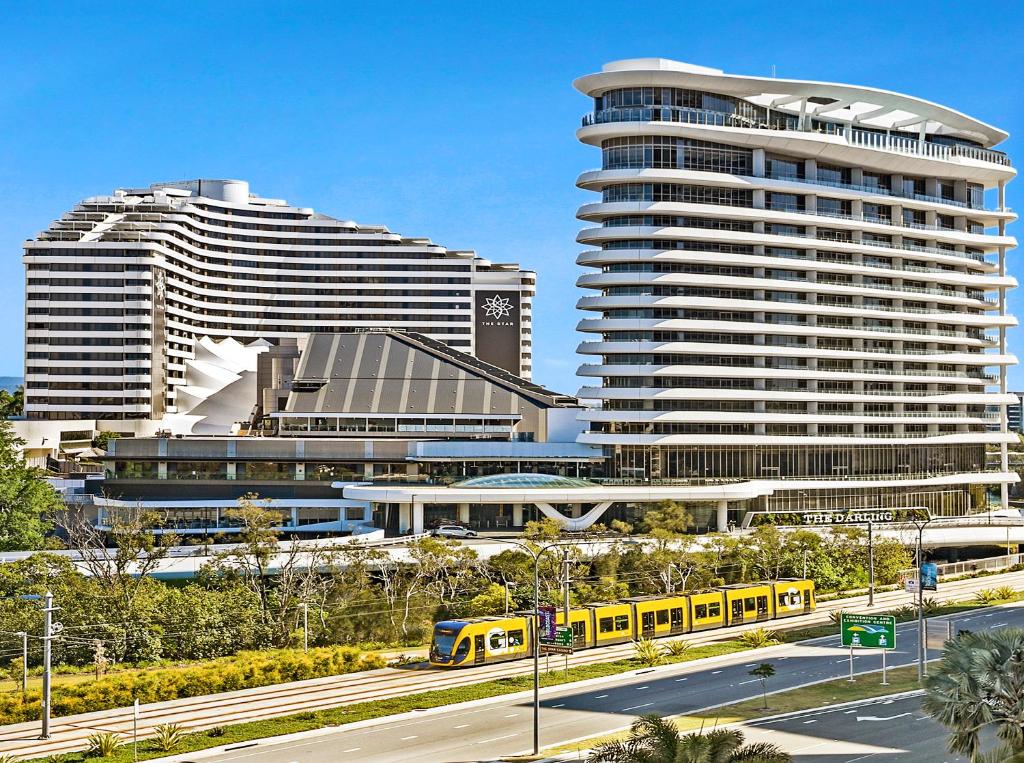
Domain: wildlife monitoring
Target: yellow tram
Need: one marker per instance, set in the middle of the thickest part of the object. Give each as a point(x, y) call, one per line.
point(485, 640)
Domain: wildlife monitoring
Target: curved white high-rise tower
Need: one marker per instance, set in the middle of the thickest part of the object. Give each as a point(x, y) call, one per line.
point(792, 282)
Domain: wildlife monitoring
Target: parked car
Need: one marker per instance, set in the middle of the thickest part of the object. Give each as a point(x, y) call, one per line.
point(453, 531)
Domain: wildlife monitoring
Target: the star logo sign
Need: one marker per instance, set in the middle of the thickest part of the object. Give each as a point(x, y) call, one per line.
point(497, 307)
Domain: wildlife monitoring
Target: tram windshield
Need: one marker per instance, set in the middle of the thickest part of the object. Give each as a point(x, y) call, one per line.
point(444, 637)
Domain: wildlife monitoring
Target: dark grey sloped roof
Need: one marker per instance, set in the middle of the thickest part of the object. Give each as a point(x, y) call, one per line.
point(397, 372)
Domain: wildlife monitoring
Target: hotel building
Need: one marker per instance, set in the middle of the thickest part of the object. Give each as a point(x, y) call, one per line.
point(133, 300)
point(797, 284)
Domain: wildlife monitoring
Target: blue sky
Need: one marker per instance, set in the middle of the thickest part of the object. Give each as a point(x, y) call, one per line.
point(454, 121)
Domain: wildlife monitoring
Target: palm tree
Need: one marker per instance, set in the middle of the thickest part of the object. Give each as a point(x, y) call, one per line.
point(653, 739)
point(978, 685)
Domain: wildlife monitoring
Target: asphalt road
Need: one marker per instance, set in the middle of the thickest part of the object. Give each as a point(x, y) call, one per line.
point(485, 732)
point(872, 732)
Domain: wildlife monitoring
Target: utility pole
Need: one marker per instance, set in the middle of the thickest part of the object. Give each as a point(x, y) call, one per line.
point(565, 596)
point(871, 565)
point(305, 627)
point(48, 610)
point(805, 564)
point(24, 662)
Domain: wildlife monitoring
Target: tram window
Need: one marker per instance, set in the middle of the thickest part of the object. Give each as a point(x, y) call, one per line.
point(515, 638)
point(462, 649)
point(621, 622)
point(662, 616)
point(783, 600)
point(606, 625)
point(496, 641)
point(748, 605)
point(794, 599)
point(714, 610)
point(701, 610)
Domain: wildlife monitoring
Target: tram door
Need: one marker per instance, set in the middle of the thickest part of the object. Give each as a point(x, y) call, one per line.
point(478, 650)
point(737, 611)
point(676, 615)
point(579, 634)
point(647, 624)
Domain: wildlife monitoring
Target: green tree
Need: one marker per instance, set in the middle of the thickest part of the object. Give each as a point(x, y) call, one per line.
point(27, 501)
point(978, 686)
point(102, 440)
point(490, 601)
point(655, 740)
point(12, 403)
point(671, 516)
point(762, 673)
point(542, 530)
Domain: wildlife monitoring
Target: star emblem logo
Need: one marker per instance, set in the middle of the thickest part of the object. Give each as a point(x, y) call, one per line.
point(497, 307)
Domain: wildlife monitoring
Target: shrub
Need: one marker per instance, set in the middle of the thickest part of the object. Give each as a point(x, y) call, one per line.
point(835, 616)
point(168, 736)
point(5, 758)
point(759, 637)
point(1005, 593)
point(104, 745)
point(678, 648)
point(243, 671)
point(648, 652)
point(216, 731)
point(930, 606)
point(986, 596)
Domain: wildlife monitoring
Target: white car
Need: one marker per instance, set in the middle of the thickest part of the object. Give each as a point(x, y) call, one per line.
point(454, 531)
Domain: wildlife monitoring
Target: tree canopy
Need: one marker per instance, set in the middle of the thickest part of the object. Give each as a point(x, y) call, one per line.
point(27, 501)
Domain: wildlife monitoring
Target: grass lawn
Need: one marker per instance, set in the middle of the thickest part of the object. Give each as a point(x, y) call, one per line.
point(818, 695)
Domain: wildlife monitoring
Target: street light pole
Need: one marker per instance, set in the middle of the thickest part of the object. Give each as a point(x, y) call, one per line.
point(920, 598)
point(305, 626)
point(48, 611)
point(535, 635)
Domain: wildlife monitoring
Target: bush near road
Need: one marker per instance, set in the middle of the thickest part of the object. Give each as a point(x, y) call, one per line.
point(246, 670)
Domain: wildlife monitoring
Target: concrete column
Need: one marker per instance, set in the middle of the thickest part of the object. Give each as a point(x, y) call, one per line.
point(295, 516)
point(417, 518)
point(517, 515)
point(722, 516)
point(232, 470)
point(403, 518)
point(464, 512)
point(300, 472)
point(758, 162)
point(161, 470)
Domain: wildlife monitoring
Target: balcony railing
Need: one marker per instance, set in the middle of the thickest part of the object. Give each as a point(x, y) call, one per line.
point(853, 135)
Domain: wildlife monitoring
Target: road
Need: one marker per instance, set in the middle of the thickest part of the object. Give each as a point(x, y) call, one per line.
point(876, 730)
point(196, 713)
point(485, 732)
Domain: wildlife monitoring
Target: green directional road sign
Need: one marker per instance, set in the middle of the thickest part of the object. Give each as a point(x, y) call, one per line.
point(563, 636)
point(868, 631)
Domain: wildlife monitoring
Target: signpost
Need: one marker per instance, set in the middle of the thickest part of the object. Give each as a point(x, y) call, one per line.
point(559, 643)
point(547, 622)
point(868, 632)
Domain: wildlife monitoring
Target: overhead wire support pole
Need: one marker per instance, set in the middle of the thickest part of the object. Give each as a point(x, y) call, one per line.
point(871, 565)
point(48, 610)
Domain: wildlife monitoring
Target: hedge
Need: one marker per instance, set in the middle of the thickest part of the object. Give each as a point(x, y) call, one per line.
point(242, 671)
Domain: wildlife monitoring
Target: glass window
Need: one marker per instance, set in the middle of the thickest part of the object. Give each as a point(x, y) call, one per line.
point(621, 622)
point(701, 611)
point(606, 625)
point(196, 470)
point(662, 616)
point(515, 638)
point(496, 641)
point(268, 470)
point(714, 610)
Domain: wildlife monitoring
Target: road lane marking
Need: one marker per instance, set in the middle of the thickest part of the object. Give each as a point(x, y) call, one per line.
point(752, 681)
point(496, 739)
point(600, 696)
point(561, 705)
point(813, 720)
point(352, 749)
point(641, 688)
point(512, 715)
point(999, 625)
point(406, 739)
point(680, 679)
point(461, 726)
point(637, 707)
point(715, 672)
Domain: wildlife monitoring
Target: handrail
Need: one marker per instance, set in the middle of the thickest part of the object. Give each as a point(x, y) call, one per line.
point(853, 135)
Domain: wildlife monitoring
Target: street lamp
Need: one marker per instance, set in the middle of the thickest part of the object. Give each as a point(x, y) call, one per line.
point(920, 525)
point(535, 631)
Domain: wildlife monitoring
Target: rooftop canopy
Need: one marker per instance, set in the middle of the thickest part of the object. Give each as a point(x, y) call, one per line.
point(525, 480)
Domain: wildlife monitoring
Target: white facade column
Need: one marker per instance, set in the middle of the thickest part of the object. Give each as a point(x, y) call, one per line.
point(517, 515)
point(722, 516)
point(295, 516)
point(404, 510)
point(464, 513)
point(417, 518)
